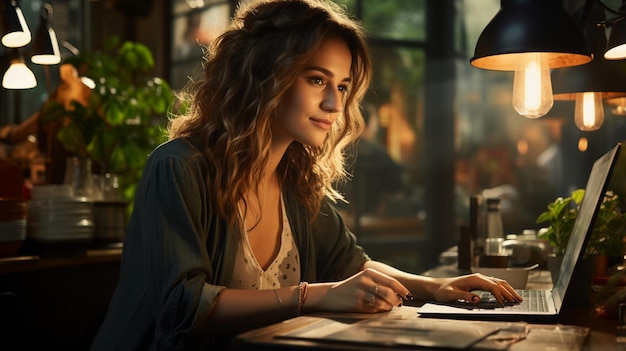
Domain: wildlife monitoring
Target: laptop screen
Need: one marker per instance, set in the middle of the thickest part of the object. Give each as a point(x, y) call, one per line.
point(594, 194)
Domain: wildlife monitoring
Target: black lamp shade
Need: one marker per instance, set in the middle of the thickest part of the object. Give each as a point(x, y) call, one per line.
point(616, 46)
point(14, 31)
point(525, 26)
point(45, 50)
point(600, 75)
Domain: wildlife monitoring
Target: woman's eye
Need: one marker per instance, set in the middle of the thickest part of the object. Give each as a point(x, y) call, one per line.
point(343, 88)
point(317, 81)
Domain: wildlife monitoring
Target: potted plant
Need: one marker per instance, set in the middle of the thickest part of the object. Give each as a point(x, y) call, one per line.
point(606, 237)
point(117, 122)
point(122, 120)
point(607, 233)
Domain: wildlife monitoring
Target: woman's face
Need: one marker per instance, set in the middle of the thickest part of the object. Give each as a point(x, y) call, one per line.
point(316, 99)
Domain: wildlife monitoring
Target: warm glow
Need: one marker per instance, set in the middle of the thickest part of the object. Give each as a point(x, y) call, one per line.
point(532, 87)
point(52, 58)
point(522, 147)
point(589, 112)
point(619, 106)
point(18, 38)
point(583, 144)
point(18, 76)
point(616, 53)
point(88, 82)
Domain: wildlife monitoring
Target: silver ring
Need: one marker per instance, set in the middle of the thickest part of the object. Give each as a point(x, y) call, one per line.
point(376, 290)
point(371, 301)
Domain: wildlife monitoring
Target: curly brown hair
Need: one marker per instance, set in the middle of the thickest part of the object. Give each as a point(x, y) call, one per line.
point(247, 71)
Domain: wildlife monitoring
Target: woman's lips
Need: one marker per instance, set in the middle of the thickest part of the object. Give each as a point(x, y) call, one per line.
point(322, 123)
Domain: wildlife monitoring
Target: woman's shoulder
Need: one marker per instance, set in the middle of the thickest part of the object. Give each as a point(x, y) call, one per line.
point(176, 148)
point(179, 152)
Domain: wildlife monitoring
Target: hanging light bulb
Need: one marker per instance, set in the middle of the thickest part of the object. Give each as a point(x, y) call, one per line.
point(583, 144)
point(19, 76)
point(589, 84)
point(531, 37)
point(532, 87)
point(588, 112)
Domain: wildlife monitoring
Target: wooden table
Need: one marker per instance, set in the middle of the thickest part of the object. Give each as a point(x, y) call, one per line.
point(601, 333)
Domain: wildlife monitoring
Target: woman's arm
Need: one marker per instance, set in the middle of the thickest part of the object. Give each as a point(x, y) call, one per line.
point(448, 289)
point(367, 291)
point(242, 309)
point(377, 288)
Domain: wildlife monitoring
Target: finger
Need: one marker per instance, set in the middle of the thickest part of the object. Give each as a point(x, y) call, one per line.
point(389, 282)
point(512, 294)
point(376, 304)
point(508, 292)
point(495, 289)
point(502, 291)
point(387, 294)
point(372, 301)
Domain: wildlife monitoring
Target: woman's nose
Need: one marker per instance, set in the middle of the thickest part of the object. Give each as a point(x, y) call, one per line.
point(333, 100)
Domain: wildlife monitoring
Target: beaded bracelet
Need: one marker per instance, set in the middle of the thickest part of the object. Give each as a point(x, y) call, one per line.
point(301, 296)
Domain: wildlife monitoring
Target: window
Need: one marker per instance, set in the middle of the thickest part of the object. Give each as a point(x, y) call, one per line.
point(194, 24)
point(525, 162)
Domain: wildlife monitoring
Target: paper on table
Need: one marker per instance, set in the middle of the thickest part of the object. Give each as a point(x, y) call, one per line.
point(451, 334)
point(554, 337)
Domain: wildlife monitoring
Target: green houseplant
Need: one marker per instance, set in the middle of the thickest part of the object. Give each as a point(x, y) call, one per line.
point(124, 114)
point(606, 239)
point(608, 230)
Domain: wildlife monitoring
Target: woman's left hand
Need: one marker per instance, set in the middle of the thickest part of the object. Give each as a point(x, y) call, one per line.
point(459, 288)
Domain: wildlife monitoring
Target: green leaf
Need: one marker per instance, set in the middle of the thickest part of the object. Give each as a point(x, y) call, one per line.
point(126, 110)
point(72, 138)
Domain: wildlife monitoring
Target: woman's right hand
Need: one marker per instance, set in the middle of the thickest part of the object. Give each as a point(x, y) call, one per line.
point(367, 291)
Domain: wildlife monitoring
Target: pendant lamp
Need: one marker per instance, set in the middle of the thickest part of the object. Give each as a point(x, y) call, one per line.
point(13, 28)
point(18, 76)
point(45, 49)
point(590, 84)
point(616, 46)
point(530, 37)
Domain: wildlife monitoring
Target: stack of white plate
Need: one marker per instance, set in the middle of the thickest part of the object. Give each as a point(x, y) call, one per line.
point(54, 216)
point(12, 225)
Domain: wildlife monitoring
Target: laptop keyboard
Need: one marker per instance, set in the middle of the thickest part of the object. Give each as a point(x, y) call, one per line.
point(534, 301)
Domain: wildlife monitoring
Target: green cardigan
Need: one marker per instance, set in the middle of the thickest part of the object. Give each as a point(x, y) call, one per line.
point(179, 254)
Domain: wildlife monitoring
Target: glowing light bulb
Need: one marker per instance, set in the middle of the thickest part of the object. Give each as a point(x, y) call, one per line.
point(589, 112)
point(532, 87)
point(583, 144)
point(19, 76)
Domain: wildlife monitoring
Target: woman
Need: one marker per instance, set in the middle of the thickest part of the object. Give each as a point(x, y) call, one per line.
point(233, 215)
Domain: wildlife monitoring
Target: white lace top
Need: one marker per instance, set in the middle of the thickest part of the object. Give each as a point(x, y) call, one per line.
point(283, 271)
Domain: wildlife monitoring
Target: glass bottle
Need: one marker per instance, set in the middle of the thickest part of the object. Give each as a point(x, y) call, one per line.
point(78, 176)
point(494, 219)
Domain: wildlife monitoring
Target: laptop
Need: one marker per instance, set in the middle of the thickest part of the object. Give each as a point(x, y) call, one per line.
point(594, 194)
